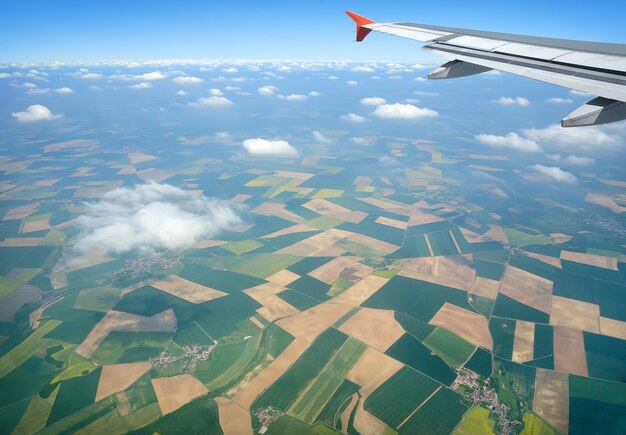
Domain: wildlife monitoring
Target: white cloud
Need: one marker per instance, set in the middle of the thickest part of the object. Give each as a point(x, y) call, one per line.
point(585, 139)
point(572, 159)
point(293, 97)
point(264, 147)
point(142, 85)
point(187, 80)
point(232, 88)
point(216, 92)
point(373, 101)
point(33, 113)
point(64, 90)
point(403, 111)
point(512, 101)
point(352, 83)
point(556, 173)
point(362, 69)
point(510, 140)
point(321, 138)
point(556, 100)
point(213, 101)
point(267, 90)
point(181, 93)
point(151, 217)
point(364, 141)
point(230, 70)
point(4, 75)
point(333, 78)
point(388, 161)
point(353, 117)
point(314, 94)
point(89, 76)
point(154, 75)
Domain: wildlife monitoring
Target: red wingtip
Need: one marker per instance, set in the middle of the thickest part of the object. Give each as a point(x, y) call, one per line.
point(361, 32)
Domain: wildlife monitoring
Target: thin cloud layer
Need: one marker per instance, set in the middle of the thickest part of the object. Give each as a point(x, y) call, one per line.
point(403, 111)
point(353, 117)
point(556, 173)
point(373, 101)
point(264, 147)
point(512, 101)
point(187, 80)
point(213, 101)
point(151, 217)
point(35, 112)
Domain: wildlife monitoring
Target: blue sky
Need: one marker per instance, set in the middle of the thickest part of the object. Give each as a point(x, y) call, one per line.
point(89, 30)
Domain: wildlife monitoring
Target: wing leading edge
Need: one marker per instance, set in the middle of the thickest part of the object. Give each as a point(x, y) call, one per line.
point(592, 67)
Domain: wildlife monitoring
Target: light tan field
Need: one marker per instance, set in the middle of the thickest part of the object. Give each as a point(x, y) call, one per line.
point(613, 328)
point(494, 190)
point(381, 203)
point(87, 260)
point(356, 272)
point(300, 228)
point(118, 377)
point(552, 398)
point(590, 259)
point(523, 344)
point(21, 212)
point(471, 236)
point(315, 244)
point(21, 241)
point(495, 233)
point(362, 180)
point(330, 271)
point(97, 191)
point(66, 224)
point(361, 291)
point(209, 244)
point(528, 289)
point(468, 325)
point(140, 158)
point(278, 210)
point(370, 372)
point(174, 392)
point(485, 287)
point(395, 223)
point(241, 197)
point(345, 415)
point(74, 143)
point(430, 248)
point(376, 328)
point(569, 351)
point(371, 242)
point(327, 208)
point(234, 420)
point(295, 175)
point(283, 277)
point(32, 226)
point(257, 322)
point(604, 201)
point(575, 314)
point(452, 270)
point(420, 216)
point(556, 262)
point(120, 321)
point(187, 290)
point(157, 175)
point(312, 322)
point(273, 307)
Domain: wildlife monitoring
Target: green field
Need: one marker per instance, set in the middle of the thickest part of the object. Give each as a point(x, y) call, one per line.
point(480, 362)
point(74, 394)
point(503, 333)
point(413, 353)
point(452, 348)
point(97, 299)
point(192, 334)
point(298, 300)
point(440, 415)
point(282, 393)
point(36, 414)
point(27, 348)
point(286, 425)
point(242, 246)
point(312, 400)
point(522, 238)
point(442, 243)
point(515, 384)
point(122, 347)
point(234, 368)
point(199, 416)
point(535, 425)
point(331, 414)
point(476, 422)
point(397, 398)
point(113, 422)
point(509, 308)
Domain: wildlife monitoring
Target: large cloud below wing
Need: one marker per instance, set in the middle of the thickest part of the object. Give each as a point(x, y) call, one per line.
point(151, 217)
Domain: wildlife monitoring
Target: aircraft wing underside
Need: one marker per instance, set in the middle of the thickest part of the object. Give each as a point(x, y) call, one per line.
point(591, 67)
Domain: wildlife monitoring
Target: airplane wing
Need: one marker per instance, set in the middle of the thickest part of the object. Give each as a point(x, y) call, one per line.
point(592, 67)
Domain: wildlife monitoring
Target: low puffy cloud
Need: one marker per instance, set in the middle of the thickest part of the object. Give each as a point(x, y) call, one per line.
point(35, 112)
point(314, 94)
point(353, 117)
point(585, 139)
point(216, 92)
point(556, 100)
point(364, 140)
point(403, 111)
point(556, 173)
point(151, 217)
point(267, 90)
point(154, 75)
point(510, 140)
point(321, 138)
point(213, 101)
point(64, 90)
point(512, 101)
point(361, 68)
point(352, 83)
point(181, 93)
point(373, 101)
point(264, 147)
point(230, 70)
point(293, 97)
point(187, 80)
point(572, 160)
point(142, 85)
point(388, 161)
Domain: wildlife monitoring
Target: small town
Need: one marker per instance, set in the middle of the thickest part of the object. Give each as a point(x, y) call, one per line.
point(191, 357)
